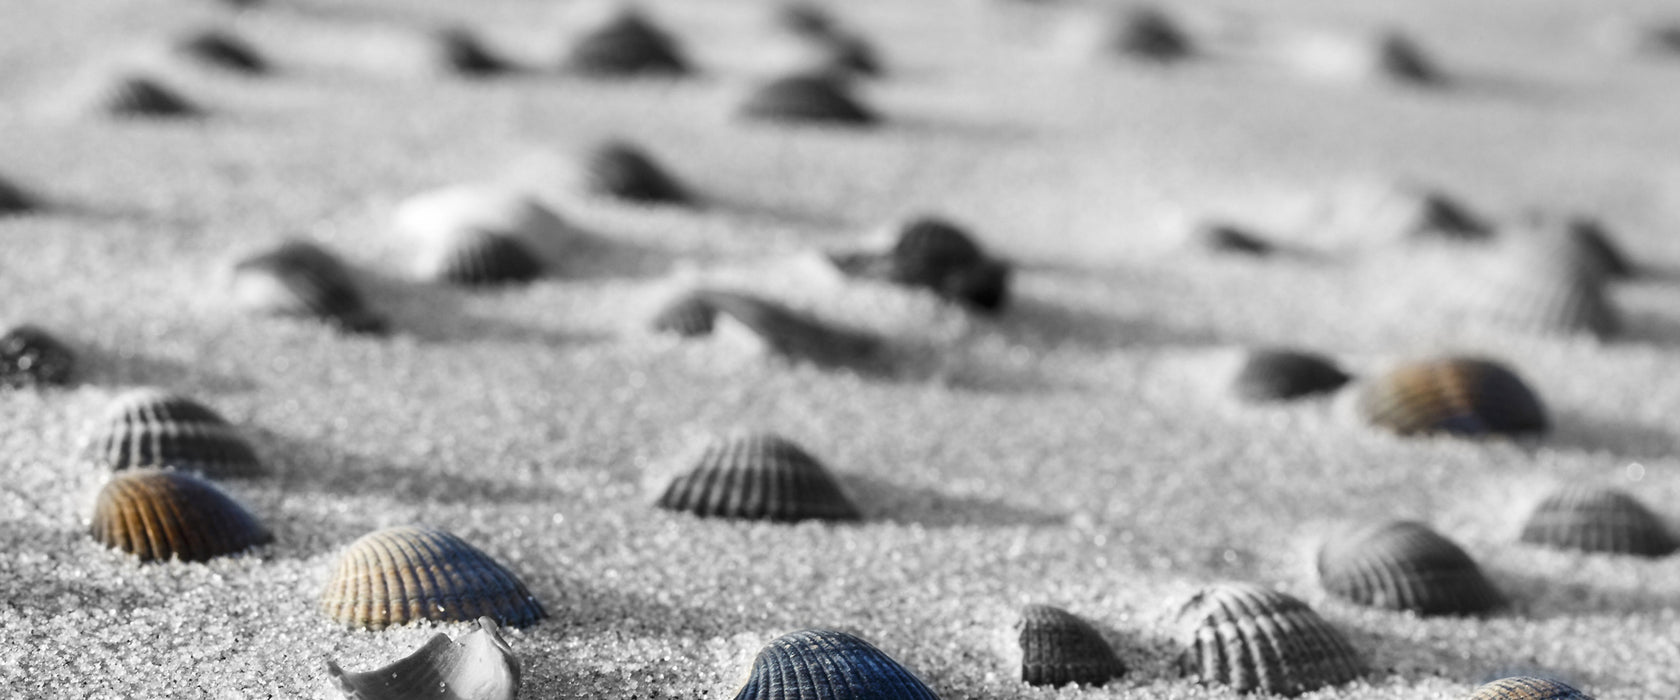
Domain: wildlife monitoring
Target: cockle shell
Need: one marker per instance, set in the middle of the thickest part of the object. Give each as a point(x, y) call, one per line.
point(30, 356)
point(1597, 519)
point(1543, 279)
point(402, 574)
point(758, 476)
point(481, 232)
point(937, 255)
point(1527, 688)
point(160, 515)
point(819, 664)
point(479, 665)
point(688, 315)
point(1276, 374)
point(1454, 395)
point(1404, 565)
point(222, 49)
point(794, 335)
point(807, 97)
point(626, 44)
point(460, 51)
point(129, 95)
point(13, 199)
point(622, 170)
point(1257, 639)
point(299, 278)
point(477, 258)
point(1058, 648)
point(152, 427)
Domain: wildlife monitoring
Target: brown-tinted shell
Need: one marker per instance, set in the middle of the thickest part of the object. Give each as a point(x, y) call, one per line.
point(1455, 395)
point(1256, 639)
point(622, 170)
point(160, 515)
point(1278, 374)
point(151, 427)
point(1404, 565)
point(219, 48)
point(808, 98)
point(1597, 519)
point(32, 357)
point(628, 44)
point(13, 198)
point(402, 574)
point(139, 96)
point(1058, 648)
point(460, 51)
point(1527, 688)
point(794, 335)
point(302, 279)
point(479, 665)
point(483, 258)
point(688, 316)
point(819, 664)
point(758, 476)
point(1149, 33)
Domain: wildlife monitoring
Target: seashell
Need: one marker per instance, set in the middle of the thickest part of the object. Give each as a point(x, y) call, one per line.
point(402, 574)
point(1384, 56)
point(480, 233)
point(938, 255)
point(1597, 519)
point(152, 427)
point(1528, 688)
point(1253, 638)
point(819, 664)
point(459, 51)
point(1598, 248)
point(222, 49)
point(1454, 395)
point(1276, 374)
point(1058, 648)
point(30, 356)
point(1403, 565)
point(1543, 281)
point(134, 95)
point(626, 44)
point(792, 334)
point(689, 315)
point(160, 515)
point(13, 199)
point(1408, 211)
point(758, 476)
point(807, 98)
point(1229, 238)
point(619, 169)
point(483, 258)
point(806, 19)
point(479, 665)
point(1147, 32)
point(299, 278)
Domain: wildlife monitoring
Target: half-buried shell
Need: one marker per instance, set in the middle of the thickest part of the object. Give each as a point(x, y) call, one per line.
point(1454, 395)
point(1404, 565)
point(402, 574)
point(301, 279)
point(1597, 519)
point(152, 427)
point(478, 234)
point(221, 49)
point(1257, 639)
point(479, 665)
point(1278, 374)
point(160, 515)
point(935, 254)
point(621, 170)
point(819, 664)
point(1058, 648)
point(816, 98)
point(758, 476)
point(627, 44)
point(32, 357)
point(1527, 688)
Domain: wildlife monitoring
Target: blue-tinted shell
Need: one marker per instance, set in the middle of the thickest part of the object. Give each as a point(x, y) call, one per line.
point(402, 574)
point(818, 664)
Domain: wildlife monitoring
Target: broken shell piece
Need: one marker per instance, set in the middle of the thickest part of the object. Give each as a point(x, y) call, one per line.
point(479, 665)
point(758, 476)
point(402, 574)
point(131, 95)
point(222, 49)
point(1275, 374)
point(1404, 565)
point(32, 357)
point(481, 232)
point(806, 98)
point(1597, 519)
point(1453, 395)
point(622, 170)
point(819, 664)
point(1528, 688)
point(301, 279)
point(1058, 648)
point(1257, 639)
point(160, 515)
point(794, 335)
point(627, 44)
point(152, 427)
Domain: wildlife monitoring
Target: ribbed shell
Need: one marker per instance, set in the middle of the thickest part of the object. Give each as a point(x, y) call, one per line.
point(159, 515)
point(1403, 565)
point(1147, 32)
point(480, 232)
point(479, 258)
point(1229, 238)
point(818, 664)
point(151, 427)
point(402, 574)
point(222, 49)
point(1058, 648)
point(794, 335)
point(13, 199)
point(30, 356)
point(1597, 519)
point(627, 45)
point(479, 665)
point(1276, 374)
point(140, 96)
point(1256, 639)
point(758, 476)
point(1526, 688)
point(1544, 280)
point(689, 315)
point(620, 169)
point(460, 51)
point(1454, 395)
point(814, 98)
point(299, 278)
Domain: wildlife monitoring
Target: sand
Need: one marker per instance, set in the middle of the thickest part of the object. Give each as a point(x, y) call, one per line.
point(1081, 450)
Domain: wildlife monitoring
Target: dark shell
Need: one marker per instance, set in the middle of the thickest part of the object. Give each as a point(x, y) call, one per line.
point(153, 428)
point(626, 45)
point(461, 52)
point(1403, 565)
point(1277, 374)
point(1147, 32)
point(1229, 238)
point(806, 19)
point(809, 98)
point(160, 515)
point(13, 199)
point(688, 316)
point(1454, 395)
point(479, 665)
point(1401, 59)
point(619, 169)
point(1257, 639)
point(1544, 280)
point(402, 574)
point(984, 286)
point(795, 335)
point(1597, 519)
point(221, 49)
point(1434, 214)
point(1058, 648)
point(30, 356)
point(299, 278)
point(940, 256)
point(1599, 248)
point(1527, 688)
point(758, 476)
point(818, 664)
point(483, 258)
point(141, 96)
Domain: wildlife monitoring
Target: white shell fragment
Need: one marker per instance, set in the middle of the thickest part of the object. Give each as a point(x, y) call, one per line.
point(479, 665)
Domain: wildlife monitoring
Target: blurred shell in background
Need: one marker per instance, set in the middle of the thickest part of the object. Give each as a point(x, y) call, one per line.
point(1454, 395)
point(687, 315)
point(625, 43)
point(1278, 374)
point(758, 476)
point(622, 170)
point(1256, 639)
point(32, 357)
point(1546, 280)
point(155, 428)
point(301, 279)
point(130, 95)
point(476, 234)
point(478, 665)
point(818, 664)
point(1597, 519)
point(161, 515)
point(937, 255)
point(1404, 565)
point(222, 49)
point(403, 574)
point(14, 199)
point(806, 98)
point(459, 51)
